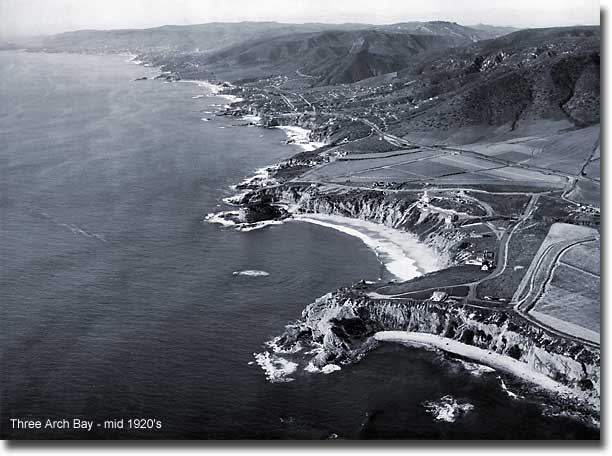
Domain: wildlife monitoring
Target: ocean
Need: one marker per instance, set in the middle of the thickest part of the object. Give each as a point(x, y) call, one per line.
point(120, 301)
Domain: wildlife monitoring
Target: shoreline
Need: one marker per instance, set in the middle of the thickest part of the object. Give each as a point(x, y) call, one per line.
point(395, 249)
point(397, 257)
point(390, 245)
point(300, 137)
point(486, 357)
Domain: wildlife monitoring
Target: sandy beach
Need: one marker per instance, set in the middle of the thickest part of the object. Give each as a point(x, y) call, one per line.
point(480, 355)
point(400, 252)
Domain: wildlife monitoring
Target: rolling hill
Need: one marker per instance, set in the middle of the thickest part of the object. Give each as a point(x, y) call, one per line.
point(551, 74)
point(332, 57)
point(444, 28)
point(176, 38)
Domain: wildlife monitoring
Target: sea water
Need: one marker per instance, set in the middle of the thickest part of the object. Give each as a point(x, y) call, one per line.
point(119, 301)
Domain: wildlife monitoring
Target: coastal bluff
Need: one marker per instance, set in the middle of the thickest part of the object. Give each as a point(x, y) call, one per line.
point(344, 325)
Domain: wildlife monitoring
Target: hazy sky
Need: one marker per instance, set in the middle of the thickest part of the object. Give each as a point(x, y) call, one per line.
point(28, 17)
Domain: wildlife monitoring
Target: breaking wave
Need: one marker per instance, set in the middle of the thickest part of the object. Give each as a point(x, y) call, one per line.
point(276, 368)
point(231, 218)
point(475, 369)
point(447, 409)
point(511, 394)
point(251, 273)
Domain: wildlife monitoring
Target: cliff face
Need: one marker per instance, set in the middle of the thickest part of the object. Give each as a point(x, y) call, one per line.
point(433, 228)
point(342, 325)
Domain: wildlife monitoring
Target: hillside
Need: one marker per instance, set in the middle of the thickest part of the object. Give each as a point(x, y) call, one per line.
point(176, 38)
point(423, 88)
point(551, 74)
point(219, 35)
point(332, 57)
point(444, 28)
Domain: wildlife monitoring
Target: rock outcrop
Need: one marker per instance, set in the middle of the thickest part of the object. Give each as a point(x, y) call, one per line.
point(342, 325)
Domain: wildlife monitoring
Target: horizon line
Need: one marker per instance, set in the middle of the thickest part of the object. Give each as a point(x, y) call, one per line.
point(365, 24)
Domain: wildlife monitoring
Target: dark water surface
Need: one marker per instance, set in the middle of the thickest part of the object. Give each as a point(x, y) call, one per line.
point(118, 301)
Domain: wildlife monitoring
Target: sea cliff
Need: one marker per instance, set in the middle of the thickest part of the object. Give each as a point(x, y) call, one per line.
point(343, 325)
point(433, 228)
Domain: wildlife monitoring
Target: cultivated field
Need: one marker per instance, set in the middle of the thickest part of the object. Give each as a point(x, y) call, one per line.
point(566, 152)
point(586, 192)
point(562, 286)
point(573, 294)
point(444, 167)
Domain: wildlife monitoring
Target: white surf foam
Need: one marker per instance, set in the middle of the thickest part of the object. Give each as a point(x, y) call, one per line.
point(251, 273)
point(252, 118)
point(447, 409)
point(260, 177)
point(327, 369)
point(276, 368)
point(230, 98)
point(235, 200)
point(402, 254)
point(475, 369)
point(222, 218)
point(214, 89)
point(506, 390)
point(134, 60)
point(229, 218)
point(246, 227)
point(300, 137)
point(276, 347)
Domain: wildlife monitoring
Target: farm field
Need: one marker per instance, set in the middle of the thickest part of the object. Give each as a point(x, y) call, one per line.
point(584, 256)
point(586, 192)
point(593, 169)
point(560, 235)
point(565, 152)
point(446, 278)
point(572, 296)
point(418, 166)
point(561, 288)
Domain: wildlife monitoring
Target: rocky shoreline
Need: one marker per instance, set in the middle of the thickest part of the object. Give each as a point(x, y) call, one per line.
point(340, 327)
point(343, 324)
